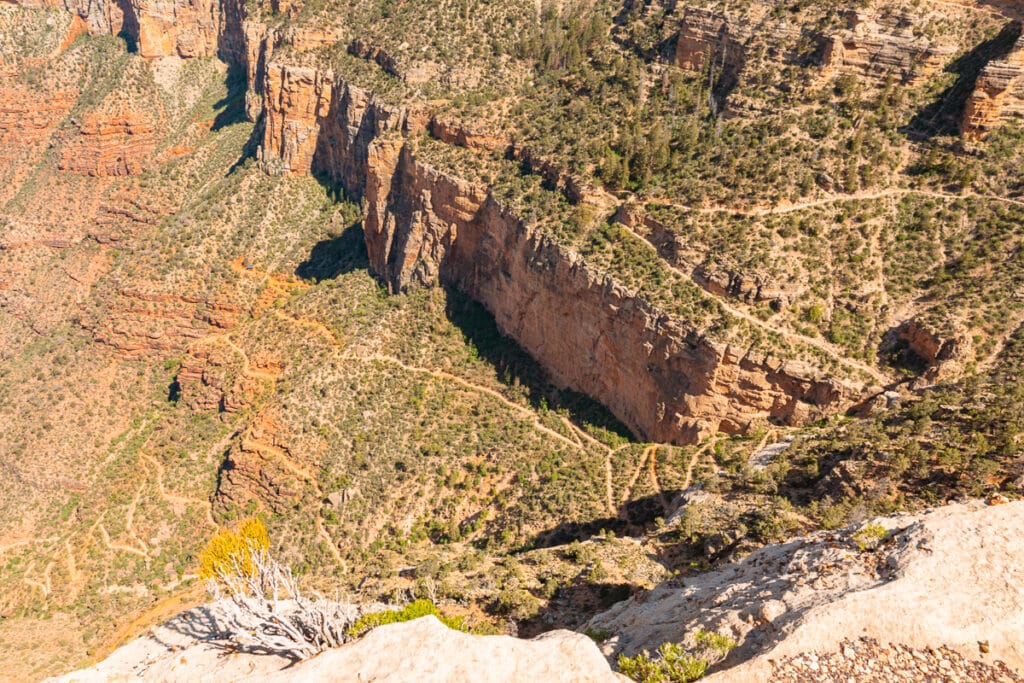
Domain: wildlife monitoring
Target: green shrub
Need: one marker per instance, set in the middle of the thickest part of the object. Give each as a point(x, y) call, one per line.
point(517, 603)
point(674, 663)
point(870, 536)
point(414, 610)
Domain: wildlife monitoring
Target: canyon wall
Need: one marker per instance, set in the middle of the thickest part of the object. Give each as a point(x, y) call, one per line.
point(425, 227)
point(998, 94)
point(162, 28)
point(660, 376)
point(663, 380)
point(705, 36)
point(315, 122)
point(876, 46)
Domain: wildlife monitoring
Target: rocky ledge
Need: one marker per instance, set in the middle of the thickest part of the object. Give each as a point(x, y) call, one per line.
point(937, 595)
point(189, 649)
point(952, 577)
point(999, 92)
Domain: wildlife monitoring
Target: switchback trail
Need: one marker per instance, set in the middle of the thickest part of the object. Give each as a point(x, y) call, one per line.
point(173, 499)
point(694, 459)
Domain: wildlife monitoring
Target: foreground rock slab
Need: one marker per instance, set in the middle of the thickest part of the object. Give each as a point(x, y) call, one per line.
point(952, 577)
point(187, 650)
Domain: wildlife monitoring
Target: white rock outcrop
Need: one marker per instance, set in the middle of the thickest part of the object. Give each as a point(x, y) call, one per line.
point(420, 651)
point(952, 576)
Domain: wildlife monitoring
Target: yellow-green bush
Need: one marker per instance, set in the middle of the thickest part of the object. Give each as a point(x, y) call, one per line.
point(674, 663)
point(230, 551)
point(414, 610)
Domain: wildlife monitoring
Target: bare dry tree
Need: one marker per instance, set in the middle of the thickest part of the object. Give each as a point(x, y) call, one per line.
point(267, 610)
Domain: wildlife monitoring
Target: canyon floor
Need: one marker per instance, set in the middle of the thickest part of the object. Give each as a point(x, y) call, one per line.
point(528, 309)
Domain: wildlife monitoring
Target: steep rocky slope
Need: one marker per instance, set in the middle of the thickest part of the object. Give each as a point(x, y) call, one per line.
point(879, 587)
point(750, 231)
point(999, 92)
point(892, 583)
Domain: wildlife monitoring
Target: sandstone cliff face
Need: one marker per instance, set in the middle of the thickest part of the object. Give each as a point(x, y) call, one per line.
point(162, 28)
point(257, 50)
point(878, 47)
point(708, 37)
point(660, 378)
point(998, 94)
point(170, 27)
point(943, 355)
point(424, 227)
point(315, 122)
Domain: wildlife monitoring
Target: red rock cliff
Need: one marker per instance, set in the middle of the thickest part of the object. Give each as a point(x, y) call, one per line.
point(662, 379)
point(423, 226)
point(998, 94)
point(162, 28)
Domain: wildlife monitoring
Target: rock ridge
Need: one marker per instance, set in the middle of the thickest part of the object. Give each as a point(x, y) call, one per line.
point(812, 593)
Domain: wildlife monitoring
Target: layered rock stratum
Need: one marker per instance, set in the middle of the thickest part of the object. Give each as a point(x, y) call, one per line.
point(999, 92)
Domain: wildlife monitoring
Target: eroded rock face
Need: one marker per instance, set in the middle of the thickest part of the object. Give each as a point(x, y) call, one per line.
point(879, 46)
point(163, 28)
point(143, 322)
point(215, 378)
point(705, 36)
point(943, 354)
point(27, 120)
point(109, 145)
point(315, 122)
point(998, 94)
point(173, 27)
point(663, 380)
point(424, 227)
point(261, 469)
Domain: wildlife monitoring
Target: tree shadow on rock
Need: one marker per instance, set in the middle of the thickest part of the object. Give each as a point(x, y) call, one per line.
point(208, 626)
